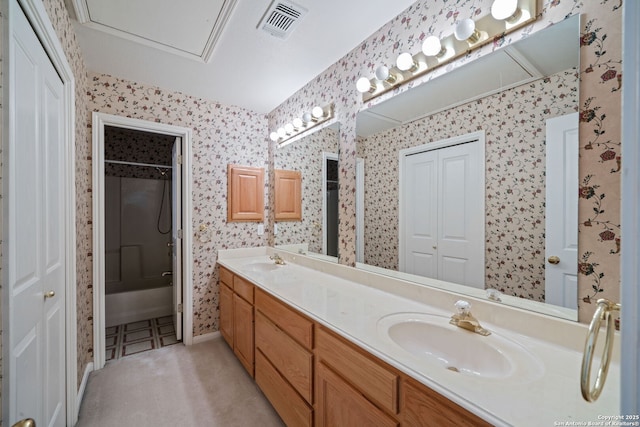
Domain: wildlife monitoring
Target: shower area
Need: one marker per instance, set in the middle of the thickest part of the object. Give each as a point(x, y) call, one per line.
point(138, 227)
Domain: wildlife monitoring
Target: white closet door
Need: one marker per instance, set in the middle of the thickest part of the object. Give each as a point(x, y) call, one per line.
point(461, 215)
point(442, 213)
point(36, 237)
point(420, 214)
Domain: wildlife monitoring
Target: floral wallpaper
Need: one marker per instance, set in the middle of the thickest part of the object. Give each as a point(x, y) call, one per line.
point(221, 135)
point(140, 147)
point(305, 155)
point(514, 125)
point(600, 104)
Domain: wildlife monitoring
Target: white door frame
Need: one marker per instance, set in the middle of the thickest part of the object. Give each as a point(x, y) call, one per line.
point(402, 187)
point(41, 24)
point(360, 210)
point(100, 120)
point(630, 291)
point(325, 156)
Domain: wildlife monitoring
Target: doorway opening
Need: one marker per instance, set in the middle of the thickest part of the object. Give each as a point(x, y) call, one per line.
point(142, 243)
point(330, 204)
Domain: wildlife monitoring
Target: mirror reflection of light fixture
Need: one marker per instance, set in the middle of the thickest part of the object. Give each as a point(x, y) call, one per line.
point(384, 75)
point(506, 10)
point(432, 46)
point(405, 62)
point(302, 124)
point(364, 85)
point(466, 30)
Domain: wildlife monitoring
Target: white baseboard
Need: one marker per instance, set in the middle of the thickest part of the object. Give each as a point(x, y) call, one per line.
point(206, 337)
point(83, 386)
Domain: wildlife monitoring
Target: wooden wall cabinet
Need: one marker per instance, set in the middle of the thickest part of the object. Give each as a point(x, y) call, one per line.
point(245, 194)
point(237, 317)
point(288, 195)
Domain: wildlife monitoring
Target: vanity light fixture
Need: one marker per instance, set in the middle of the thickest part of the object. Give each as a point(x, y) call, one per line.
point(466, 31)
point(384, 75)
point(505, 17)
point(364, 85)
point(405, 62)
point(300, 125)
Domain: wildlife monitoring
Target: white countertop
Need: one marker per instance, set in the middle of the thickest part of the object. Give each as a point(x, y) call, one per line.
point(546, 392)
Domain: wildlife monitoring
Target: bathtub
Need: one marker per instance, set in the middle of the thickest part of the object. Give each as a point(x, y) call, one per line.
point(133, 306)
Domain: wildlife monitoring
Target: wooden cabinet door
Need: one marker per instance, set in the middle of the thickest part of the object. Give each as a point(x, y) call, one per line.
point(288, 195)
point(339, 404)
point(245, 193)
point(243, 332)
point(226, 313)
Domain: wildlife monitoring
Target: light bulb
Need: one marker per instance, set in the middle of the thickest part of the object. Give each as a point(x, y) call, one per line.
point(466, 30)
point(274, 136)
point(307, 118)
point(383, 74)
point(506, 10)
point(405, 62)
point(282, 133)
point(317, 112)
point(364, 85)
point(297, 123)
point(288, 128)
point(432, 46)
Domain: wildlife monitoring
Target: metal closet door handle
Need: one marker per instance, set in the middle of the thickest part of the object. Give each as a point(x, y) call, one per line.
point(554, 260)
point(49, 294)
point(27, 422)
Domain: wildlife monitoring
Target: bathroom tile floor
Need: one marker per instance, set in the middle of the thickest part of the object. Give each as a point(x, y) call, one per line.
point(136, 337)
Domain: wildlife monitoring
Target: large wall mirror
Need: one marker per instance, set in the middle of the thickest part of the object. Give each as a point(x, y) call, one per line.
point(521, 102)
point(315, 156)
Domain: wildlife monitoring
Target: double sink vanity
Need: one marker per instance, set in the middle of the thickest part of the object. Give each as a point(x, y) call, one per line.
point(332, 345)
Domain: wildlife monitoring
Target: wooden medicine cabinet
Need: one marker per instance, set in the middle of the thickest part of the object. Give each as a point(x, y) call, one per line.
point(288, 195)
point(245, 194)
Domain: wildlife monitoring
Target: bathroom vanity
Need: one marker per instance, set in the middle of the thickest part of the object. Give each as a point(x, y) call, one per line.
point(330, 345)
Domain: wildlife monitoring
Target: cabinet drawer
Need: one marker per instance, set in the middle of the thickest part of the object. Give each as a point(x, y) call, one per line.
point(226, 277)
point(243, 288)
point(289, 358)
point(297, 326)
point(293, 410)
point(422, 407)
point(374, 381)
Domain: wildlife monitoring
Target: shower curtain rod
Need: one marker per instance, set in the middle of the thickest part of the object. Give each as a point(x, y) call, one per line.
point(120, 162)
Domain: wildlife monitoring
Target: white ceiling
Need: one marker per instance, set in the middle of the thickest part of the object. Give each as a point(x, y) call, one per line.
point(248, 67)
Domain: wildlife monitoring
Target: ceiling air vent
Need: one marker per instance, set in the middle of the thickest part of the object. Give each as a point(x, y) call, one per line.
point(281, 18)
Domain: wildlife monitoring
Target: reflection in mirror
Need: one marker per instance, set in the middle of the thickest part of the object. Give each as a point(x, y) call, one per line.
point(316, 157)
point(515, 97)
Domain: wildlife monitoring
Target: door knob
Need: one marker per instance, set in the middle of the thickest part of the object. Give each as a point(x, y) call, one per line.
point(435, 248)
point(27, 422)
point(49, 294)
point(554, 260)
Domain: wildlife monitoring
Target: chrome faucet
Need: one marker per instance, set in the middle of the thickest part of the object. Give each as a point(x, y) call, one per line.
point(465, 320)
point(277, 259)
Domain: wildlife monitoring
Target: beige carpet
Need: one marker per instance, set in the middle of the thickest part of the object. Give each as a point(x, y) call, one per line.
point(200, 385)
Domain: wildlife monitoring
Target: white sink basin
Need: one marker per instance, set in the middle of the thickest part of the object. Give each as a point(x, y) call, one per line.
point(430, 338)
point(263, 267)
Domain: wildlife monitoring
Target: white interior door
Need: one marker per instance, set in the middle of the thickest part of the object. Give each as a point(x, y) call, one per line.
point(36, 244)
point(420, 214)
point(176, 230)
point(442, 212)
point(561, 216)
point(461, 215)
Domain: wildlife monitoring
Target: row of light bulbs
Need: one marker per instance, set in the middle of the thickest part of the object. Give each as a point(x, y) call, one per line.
point(508, 11)
point(302, 124)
